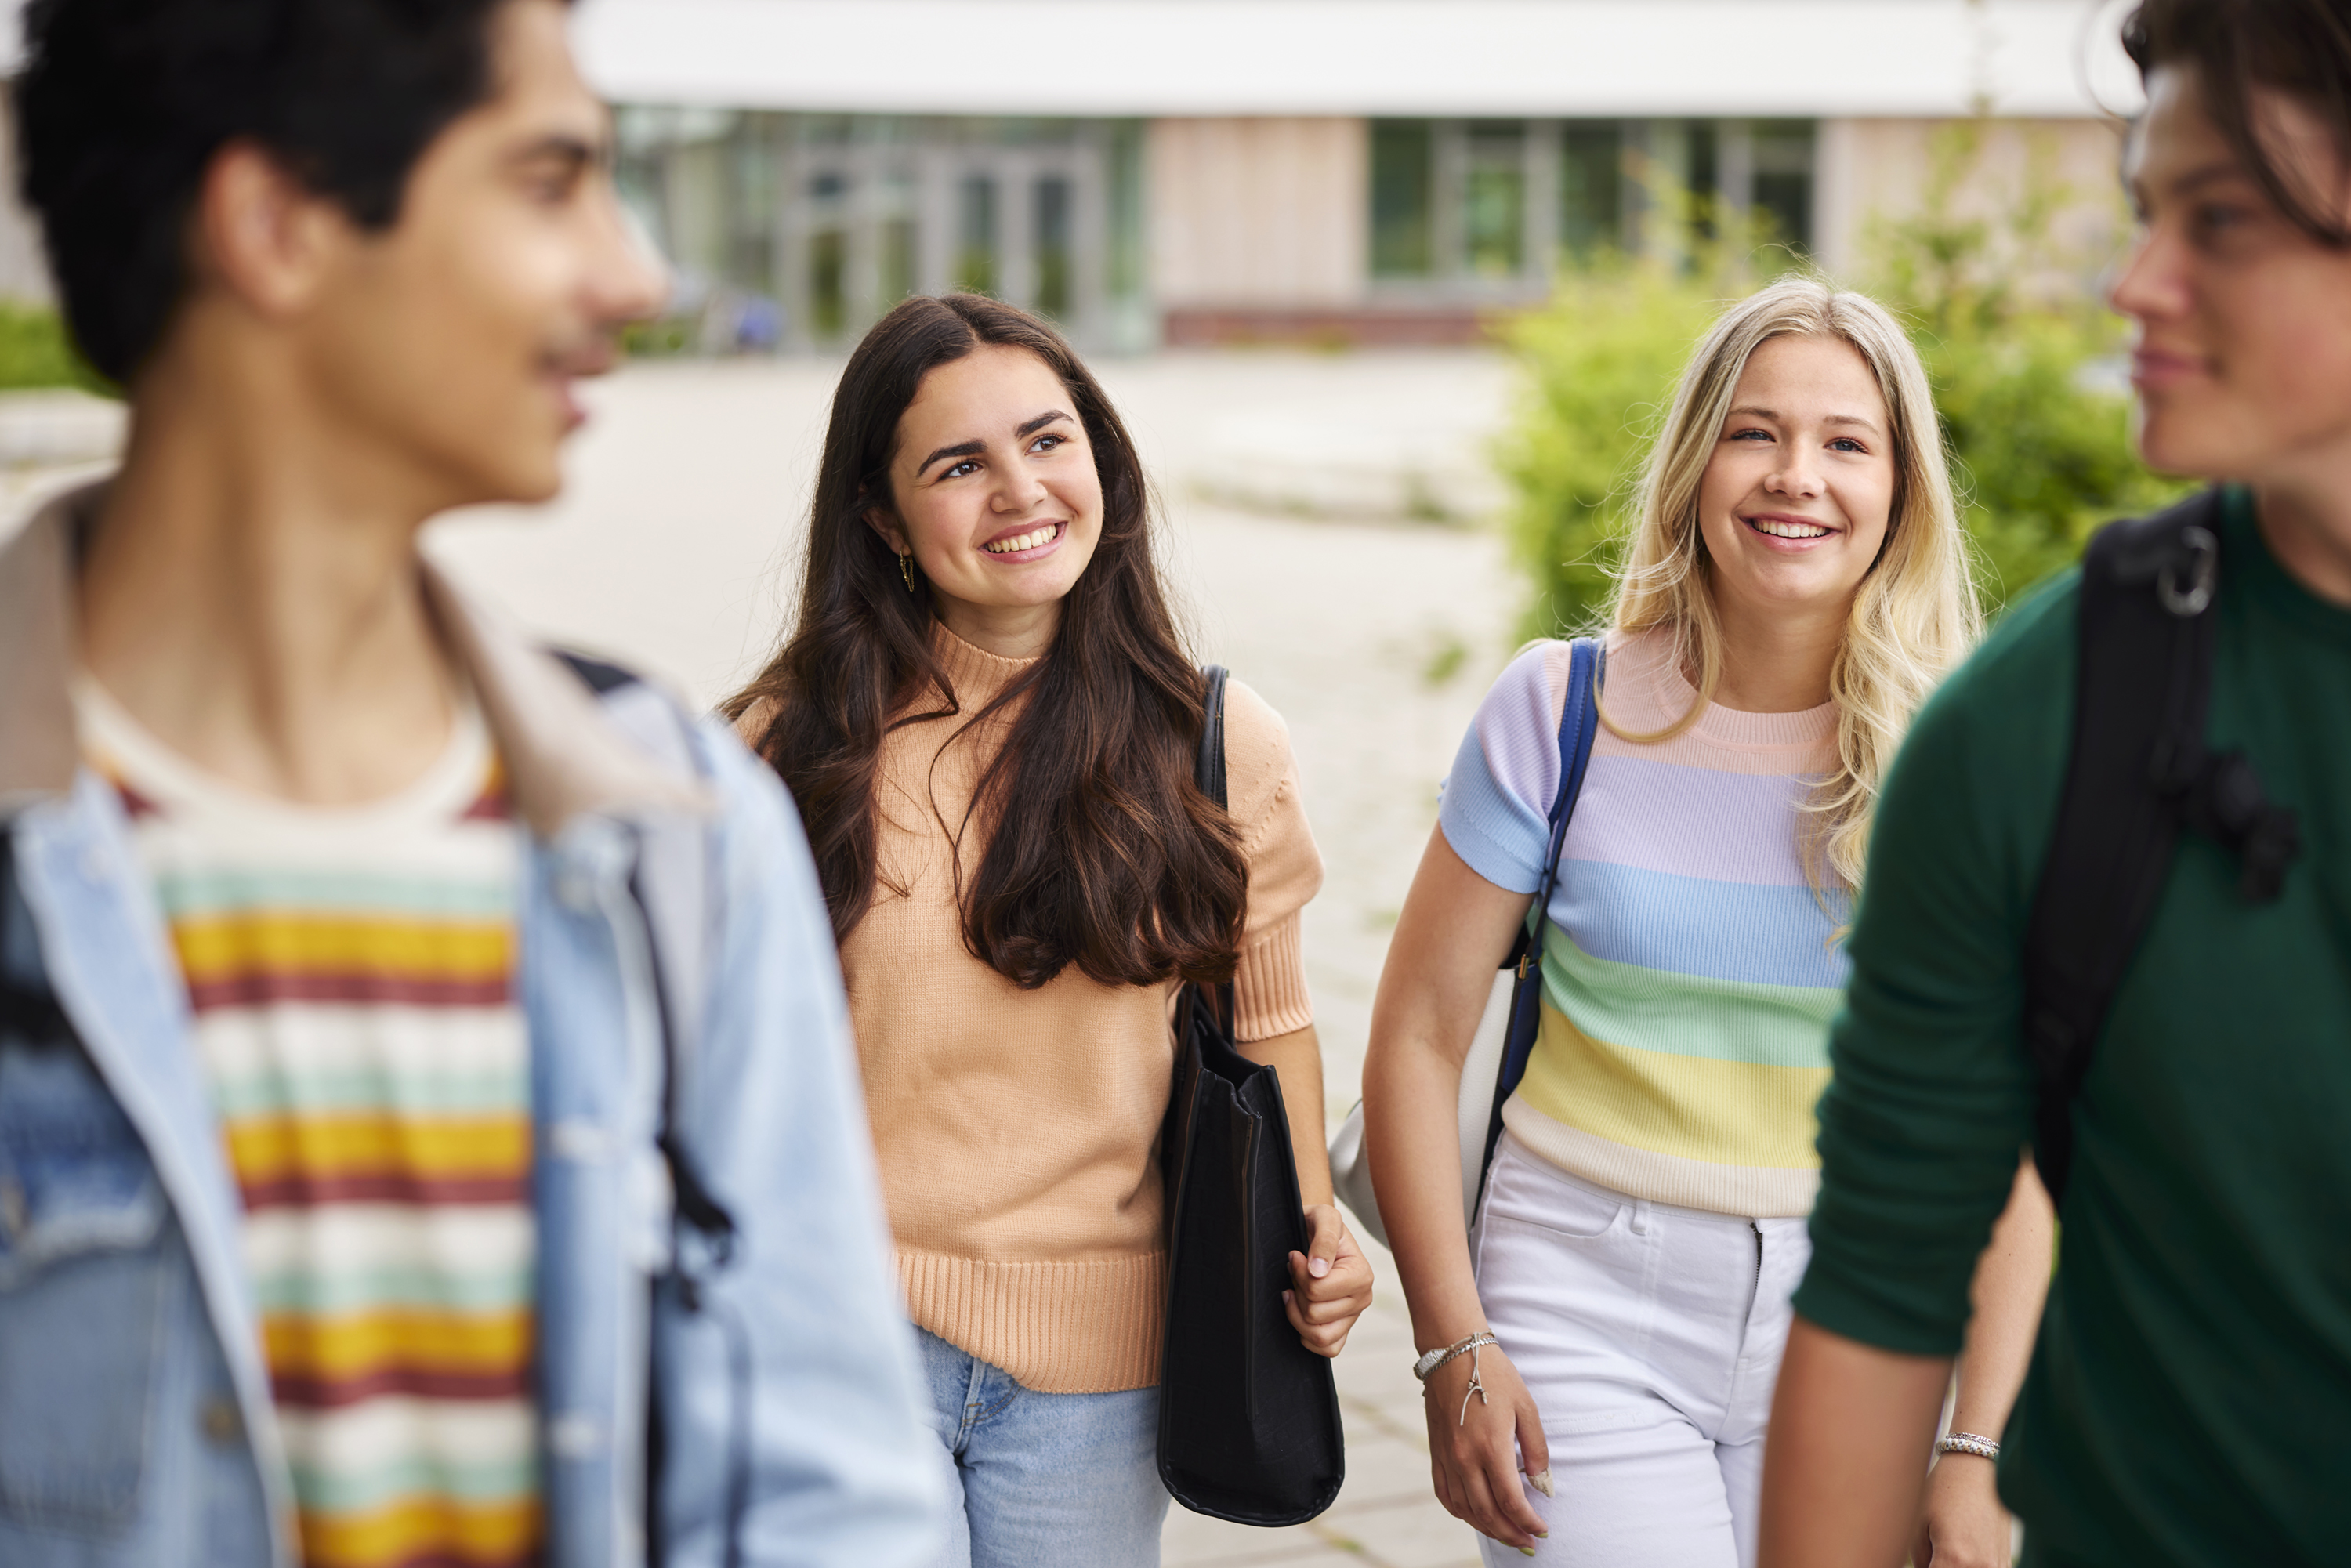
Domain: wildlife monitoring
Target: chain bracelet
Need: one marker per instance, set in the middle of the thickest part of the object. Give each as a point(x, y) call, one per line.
point(1475, 1386)
point(1427, 1365)
point(1968, 1443)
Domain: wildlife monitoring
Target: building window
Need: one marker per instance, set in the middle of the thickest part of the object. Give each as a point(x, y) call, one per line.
point(1403, 180)
point(1751, 177)
point(801, 230)
point(1591, 187)
point(1491, 207)
point(1051, 211)
point(975, 267)
point(1129, 322)
point(828, 254)
point(896, 261)
point(1494, 199)
point(1783, 178)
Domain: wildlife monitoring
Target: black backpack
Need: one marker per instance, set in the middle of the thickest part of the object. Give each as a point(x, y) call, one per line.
point(2139, 773)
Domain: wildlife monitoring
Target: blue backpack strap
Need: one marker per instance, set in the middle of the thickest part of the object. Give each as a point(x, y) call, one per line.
point(674, 887)
point(1579, 726)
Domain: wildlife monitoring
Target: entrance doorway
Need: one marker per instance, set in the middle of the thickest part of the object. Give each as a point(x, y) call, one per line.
point(859, 211)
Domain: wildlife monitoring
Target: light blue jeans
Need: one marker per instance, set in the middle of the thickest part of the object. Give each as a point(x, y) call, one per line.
point(1043, 1480)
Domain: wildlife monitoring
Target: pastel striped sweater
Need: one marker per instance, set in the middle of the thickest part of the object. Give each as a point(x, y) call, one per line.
point(1690, 967)
point(350, 982)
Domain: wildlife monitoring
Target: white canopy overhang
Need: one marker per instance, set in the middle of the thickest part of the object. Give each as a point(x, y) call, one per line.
point(1810, 58)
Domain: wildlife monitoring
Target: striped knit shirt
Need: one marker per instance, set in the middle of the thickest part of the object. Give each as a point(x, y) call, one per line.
point(1690, 966)
point(349, 973)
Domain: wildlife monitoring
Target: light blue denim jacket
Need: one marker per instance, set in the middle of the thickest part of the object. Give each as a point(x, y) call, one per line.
point(136, 1425)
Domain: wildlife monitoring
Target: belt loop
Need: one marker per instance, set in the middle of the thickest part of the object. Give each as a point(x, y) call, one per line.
point(1640, 1216)
point(974, 1399)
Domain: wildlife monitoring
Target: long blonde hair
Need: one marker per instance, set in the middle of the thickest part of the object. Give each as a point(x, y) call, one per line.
point(1914, 614)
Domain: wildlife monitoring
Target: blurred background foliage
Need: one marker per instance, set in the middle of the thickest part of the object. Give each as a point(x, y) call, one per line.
point(34, 352)
point(2027, 366)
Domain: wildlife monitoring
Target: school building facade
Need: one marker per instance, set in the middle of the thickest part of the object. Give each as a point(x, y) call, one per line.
point(1375, 172)
point(1194, 172)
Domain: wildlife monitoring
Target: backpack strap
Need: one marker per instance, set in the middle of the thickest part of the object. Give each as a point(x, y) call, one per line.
point(28, 1011)
point(2139, 772)
point(1579, 726)
point(672, 885)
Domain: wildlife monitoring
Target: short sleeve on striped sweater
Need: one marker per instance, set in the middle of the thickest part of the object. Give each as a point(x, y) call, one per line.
point(1495, 809)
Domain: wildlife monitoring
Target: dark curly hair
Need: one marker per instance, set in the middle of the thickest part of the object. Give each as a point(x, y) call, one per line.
point(1115, 862)
point(122, 104)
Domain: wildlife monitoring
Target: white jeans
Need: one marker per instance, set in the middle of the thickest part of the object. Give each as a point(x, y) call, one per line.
point(1650, 1337)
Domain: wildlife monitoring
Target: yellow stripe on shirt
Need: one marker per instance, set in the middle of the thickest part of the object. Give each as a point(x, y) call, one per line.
point(483, 1533)
point(334, 1349)
point(265, 1148)
point(1698, 1108)
point(216, 948)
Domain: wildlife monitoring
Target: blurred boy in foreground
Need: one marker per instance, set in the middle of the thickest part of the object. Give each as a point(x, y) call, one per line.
point(370, 980)
point(2192, 1381)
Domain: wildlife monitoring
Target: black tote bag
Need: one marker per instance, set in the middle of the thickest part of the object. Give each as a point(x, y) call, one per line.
point(1248, 1418)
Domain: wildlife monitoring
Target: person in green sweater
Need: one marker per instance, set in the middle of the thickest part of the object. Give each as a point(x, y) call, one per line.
point(2191, 1387)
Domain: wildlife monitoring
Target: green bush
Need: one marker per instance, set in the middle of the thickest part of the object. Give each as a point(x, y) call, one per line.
point(1598, 363)
point(34, 352)
point(2022, 355)
point(2026, 363)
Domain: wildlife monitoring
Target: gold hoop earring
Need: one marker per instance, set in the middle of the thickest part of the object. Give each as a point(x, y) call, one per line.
point(907, 569)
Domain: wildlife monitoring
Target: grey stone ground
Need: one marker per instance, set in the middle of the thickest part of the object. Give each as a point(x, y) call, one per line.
point(1304, 495)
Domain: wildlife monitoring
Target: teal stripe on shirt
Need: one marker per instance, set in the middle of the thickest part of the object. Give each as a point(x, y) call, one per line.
point(1749, 1022)
point(196, 892)
point(474, 1481)
point(440, 1288)
point(273, 1091)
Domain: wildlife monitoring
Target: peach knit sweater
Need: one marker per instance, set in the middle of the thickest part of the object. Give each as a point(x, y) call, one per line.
point(1018, 1130)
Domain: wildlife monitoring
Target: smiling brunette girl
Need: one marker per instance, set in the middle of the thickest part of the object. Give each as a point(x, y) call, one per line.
point(990, 721)
point(1794, 584)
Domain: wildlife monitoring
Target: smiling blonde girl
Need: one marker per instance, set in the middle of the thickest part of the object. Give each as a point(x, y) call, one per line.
point(1794, 584)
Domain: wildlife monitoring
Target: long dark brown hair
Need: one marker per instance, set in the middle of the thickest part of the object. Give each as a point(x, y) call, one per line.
point(2300, 48)
point(1115, 862)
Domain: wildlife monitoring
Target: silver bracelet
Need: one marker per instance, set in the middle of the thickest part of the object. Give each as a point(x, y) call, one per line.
point(1425, 1368)
point(1427, 1364)
point(1968, 1443)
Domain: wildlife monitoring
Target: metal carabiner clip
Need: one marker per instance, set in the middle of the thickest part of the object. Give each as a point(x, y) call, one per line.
point(2206, 551)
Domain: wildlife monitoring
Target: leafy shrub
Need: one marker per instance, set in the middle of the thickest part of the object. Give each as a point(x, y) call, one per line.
point(34, 352)
point(1598, 362)
point(2026, 363)
point(2022, 355)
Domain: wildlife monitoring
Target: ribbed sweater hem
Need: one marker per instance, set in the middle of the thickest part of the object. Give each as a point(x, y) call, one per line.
point(1079, 1325)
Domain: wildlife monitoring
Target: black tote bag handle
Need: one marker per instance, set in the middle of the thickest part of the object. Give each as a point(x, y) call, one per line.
point(1248, 1418)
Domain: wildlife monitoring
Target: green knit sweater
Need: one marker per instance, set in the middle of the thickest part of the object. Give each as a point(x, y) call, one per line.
point(2191, 1393)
